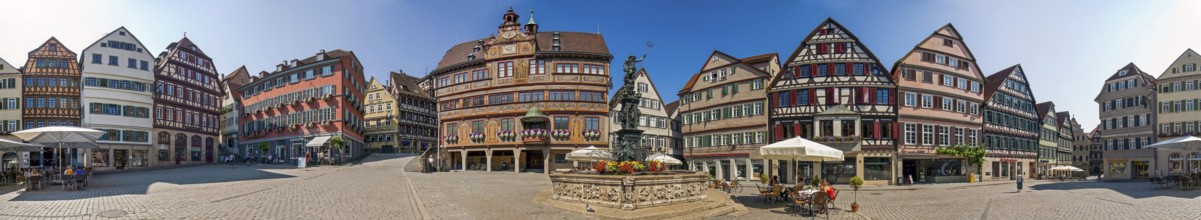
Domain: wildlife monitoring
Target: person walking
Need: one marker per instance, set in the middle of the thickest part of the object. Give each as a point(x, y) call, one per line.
point(1020, 182)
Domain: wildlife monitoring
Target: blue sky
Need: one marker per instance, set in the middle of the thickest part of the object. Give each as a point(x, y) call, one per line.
point(1067, 48)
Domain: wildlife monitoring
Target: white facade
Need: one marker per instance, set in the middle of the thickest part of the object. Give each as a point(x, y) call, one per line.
point(117, 74)
point(655, 123)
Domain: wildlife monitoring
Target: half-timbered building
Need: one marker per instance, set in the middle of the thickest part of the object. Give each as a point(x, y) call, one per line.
point(51, 94)
point(941, 93)
point(1011, 125)
point(833, 90)
point(186, 105)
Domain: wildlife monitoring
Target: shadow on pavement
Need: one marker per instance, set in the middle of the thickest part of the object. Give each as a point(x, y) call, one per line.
point(1136, 190)
point(138, 183)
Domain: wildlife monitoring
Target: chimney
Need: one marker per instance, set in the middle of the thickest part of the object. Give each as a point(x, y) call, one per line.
point(321, 55)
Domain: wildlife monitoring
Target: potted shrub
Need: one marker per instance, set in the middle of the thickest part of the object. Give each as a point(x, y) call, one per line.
point(856, 182)
point(763, 178)
point(815, 182)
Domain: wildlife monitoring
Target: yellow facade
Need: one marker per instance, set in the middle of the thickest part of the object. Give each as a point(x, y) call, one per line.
point(380, 120)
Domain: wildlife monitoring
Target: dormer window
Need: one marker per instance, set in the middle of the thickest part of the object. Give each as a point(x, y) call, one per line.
point(475, 49)
point(471, 57)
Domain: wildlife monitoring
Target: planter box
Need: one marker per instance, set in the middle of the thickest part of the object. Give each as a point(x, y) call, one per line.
point(629, 191)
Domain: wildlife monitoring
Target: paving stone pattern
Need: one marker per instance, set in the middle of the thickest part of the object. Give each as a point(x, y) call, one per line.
point(380, 189)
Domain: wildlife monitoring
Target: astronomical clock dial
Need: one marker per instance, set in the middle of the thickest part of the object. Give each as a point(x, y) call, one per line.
point(509, 34)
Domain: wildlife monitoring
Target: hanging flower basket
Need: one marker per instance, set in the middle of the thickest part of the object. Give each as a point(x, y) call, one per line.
point(452, 138)
point(328, 96)
point(506, 135)
point(591, 134)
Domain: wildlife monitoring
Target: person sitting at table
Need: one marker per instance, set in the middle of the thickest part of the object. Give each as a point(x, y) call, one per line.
point(775, 180)
point(828, 188)
point(70, 171)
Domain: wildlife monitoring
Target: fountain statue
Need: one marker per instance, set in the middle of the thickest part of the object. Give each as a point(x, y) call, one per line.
point(628, 144)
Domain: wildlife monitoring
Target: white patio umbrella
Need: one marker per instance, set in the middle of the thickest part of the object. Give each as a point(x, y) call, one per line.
point(664, 158)
point(14, 146)
point(61, 136)
point(589, 154)
point(1180, 143)
point(1066, 168)
point(798, 149)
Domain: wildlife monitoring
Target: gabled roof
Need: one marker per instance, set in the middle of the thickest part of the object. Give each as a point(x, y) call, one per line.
point(1043, 108)
point(187, 43)
point(1061, 116)
point(1130, 68)
point(8, 68)
point(408, 84)
point(759, 58)
point(569, 42)
point(240, 76)
point(830, 21)
point(671, 107)
point(734, 61)
point(117, 31)
point(62, 48)
point(996, 80)
point(951, 32)
point(1188, 54)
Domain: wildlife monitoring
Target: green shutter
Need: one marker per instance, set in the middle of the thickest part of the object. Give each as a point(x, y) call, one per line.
point(734, 88)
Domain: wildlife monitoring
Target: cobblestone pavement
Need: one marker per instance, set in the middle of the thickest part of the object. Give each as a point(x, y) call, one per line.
point(1000, 200)
point(379, 189)
point(373, 190)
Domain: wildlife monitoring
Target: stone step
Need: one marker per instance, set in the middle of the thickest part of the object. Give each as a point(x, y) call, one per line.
point(706, 214)
point(692, 208)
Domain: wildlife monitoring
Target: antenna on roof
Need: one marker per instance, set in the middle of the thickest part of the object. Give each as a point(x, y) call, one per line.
point(598, 27)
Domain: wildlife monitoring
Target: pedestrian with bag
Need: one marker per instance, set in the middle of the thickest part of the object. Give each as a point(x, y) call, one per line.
point(1020, 182)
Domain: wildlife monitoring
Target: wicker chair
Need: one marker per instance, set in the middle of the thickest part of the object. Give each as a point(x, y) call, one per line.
point(820, 200)
point(774, 194)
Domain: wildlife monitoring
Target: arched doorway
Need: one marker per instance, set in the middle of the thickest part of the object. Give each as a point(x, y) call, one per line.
point(196, 148)
point(181, 148)
point(208, 150)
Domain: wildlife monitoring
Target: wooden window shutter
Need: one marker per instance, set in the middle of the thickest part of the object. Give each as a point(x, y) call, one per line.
point(779, 132)
point(812, 70)
point(895, 129)
point(830, 69)
point(775, 97)
point(796, 72)
point(829, 96)
point(892, 97)
point(941, 78)
point(794, 97)
point(796, 129)
point(812, 96)
point(872, 96)
point(876, 126)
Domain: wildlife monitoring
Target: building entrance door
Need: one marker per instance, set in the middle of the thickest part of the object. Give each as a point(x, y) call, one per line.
point(533, 160)
point(119, 158)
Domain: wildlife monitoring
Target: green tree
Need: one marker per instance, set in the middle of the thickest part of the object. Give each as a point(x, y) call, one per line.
point(972, 153)
point(336, 143)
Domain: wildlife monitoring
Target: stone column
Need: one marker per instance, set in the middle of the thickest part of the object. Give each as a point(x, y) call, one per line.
point(705, 166)
point(546, 166)
point(791, 171)
point(717, 165)
point(859, 165)
point(488, 157)
point(733, 169)
point(817, 169)
point(517, 160)
point(463, 161)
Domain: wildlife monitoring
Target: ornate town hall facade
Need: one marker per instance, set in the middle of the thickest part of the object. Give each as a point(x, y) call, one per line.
point(522, 99)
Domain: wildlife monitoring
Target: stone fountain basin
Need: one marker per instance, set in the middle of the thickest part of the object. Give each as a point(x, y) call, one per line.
point(629, 192)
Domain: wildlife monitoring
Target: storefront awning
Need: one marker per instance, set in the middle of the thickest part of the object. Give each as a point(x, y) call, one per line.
point(317, 141)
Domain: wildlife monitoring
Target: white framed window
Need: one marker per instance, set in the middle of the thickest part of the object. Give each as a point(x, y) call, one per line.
point(928, 135)
point(974, 108)
point(927, 101)
point(725, 139)
point(940, 59)
point(960, 106)
point(959, 136)
point(971, 136)
point(910, 134)
point(758, 108)
point(975, 87)
point(948, 80)
point(746, 137)
point(944, 137)
point(946, 104)
point(910, 99)
point(759, 137)
point(962, 83)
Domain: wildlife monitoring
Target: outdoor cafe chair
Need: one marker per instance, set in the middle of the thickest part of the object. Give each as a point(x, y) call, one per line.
point(818, 204)
point(834, 197)
point(763, 192)
point(775, 193)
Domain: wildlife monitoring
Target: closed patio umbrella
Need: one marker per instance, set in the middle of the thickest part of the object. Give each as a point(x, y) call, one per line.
point(14, 146)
